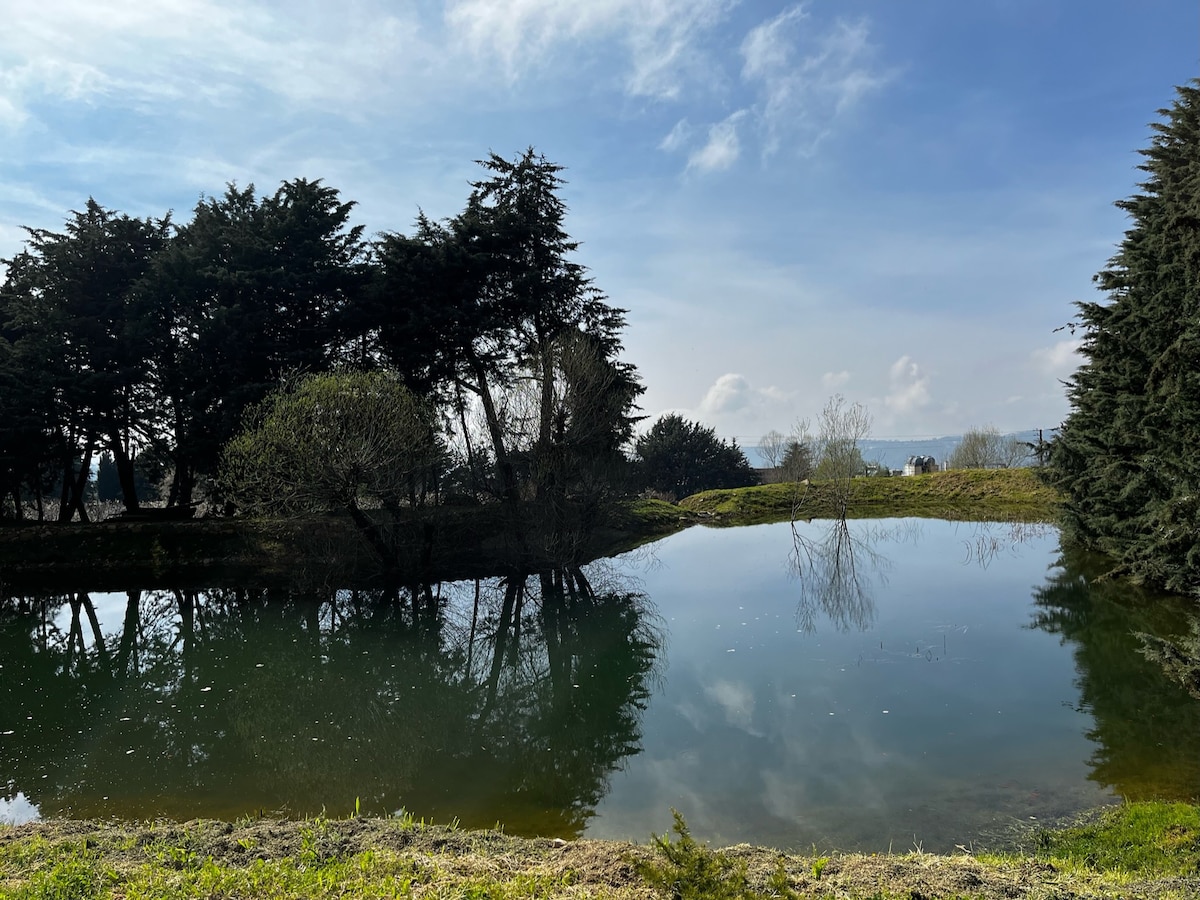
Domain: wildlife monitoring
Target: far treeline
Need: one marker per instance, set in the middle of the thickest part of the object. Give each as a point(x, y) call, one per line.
point(267, 352)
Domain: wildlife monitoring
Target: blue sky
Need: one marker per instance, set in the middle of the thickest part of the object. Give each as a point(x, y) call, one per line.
point(895, 201)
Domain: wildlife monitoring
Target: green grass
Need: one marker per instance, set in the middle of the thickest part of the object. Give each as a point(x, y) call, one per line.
point(963, 494)
point(1148, 849)
point(1145, 839)
point(646, 516)
point(71, 871)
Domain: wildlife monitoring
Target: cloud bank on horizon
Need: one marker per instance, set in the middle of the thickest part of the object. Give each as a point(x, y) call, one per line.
point(895, 202)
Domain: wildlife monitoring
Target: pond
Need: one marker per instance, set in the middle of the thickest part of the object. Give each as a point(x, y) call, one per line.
point(895, 683)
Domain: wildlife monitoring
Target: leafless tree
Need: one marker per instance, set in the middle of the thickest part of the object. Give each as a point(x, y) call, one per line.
point(772, 446)
point(986, 448)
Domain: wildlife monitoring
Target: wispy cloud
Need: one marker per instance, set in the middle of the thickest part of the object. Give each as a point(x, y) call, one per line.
point(722, 148)
point(797, 78)
point(658, 37)
point(678, 137)
point(806, 78)
point(129, 54)
point(1060, 359)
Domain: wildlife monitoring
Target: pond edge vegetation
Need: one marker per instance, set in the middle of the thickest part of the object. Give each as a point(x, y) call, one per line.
point(1144, 849)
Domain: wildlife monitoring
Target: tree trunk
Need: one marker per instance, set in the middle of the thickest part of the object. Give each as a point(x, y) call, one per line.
point(124, 473)
point(127, 648)
point(510, 493)
point(75, 486)
point(97, 635)
point(370, 533)
point(502, 635)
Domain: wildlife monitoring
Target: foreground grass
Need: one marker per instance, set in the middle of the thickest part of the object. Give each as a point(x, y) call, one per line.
point(1147, 850)
point(962, 494)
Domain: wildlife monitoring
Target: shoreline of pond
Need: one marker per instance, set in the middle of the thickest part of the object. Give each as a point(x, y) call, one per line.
point(1090, 857)
point(452, 543)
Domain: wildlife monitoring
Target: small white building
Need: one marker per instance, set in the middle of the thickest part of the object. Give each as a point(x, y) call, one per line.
point(920, 465)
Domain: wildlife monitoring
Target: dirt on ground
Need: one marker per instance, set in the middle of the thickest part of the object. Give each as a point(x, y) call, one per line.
point(607, 867)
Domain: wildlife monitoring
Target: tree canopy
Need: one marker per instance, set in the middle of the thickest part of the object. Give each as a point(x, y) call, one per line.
point(680, 457)
point(140, 337)
point(1125, 457)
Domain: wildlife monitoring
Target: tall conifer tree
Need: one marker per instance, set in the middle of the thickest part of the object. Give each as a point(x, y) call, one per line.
point(1127, 457)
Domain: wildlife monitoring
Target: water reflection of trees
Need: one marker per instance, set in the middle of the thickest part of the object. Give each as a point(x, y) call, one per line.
point(498, 700)
point(1146, 727)
point(836, 569)
point(838, 564)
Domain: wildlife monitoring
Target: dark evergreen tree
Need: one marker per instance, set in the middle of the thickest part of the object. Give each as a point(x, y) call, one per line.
point(108, 486)
point(1126, 457)
point(679, 457)
point(30, 440)
point(108, 482)
point(71, 303)
point(797, 462)
point(250, 289)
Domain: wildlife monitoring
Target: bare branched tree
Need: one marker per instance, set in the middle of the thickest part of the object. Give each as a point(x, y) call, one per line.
point(840, 427)
point(772, 446)
point(986, 448)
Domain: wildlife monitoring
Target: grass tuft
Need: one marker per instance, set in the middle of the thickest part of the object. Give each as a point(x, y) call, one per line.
point(1149, 839)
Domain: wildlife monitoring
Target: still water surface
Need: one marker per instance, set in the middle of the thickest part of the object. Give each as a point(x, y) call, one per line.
point(955, 680)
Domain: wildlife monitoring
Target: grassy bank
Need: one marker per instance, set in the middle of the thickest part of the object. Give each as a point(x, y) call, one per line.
point(1141, 850)
point(962, 494)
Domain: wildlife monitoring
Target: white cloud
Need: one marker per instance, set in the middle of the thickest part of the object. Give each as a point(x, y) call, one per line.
point(767, 49)
point(729, 394)
point(908, 389)
point(130, 54)
point(663, 43)
point(678, 137)
point(834, 380)
point(722, 149)
point(806, 79)
point(1061, 359)
point(659, 36)
point(734, 406)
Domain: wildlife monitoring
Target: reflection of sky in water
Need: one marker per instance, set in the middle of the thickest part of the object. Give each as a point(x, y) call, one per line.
point(110, 612)
point(17, 810)
point(946, 716)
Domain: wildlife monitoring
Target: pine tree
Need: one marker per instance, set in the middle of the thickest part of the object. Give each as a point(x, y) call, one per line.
point(1126, 457)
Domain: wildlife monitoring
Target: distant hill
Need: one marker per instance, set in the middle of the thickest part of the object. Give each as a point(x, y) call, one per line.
point(894, 454)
